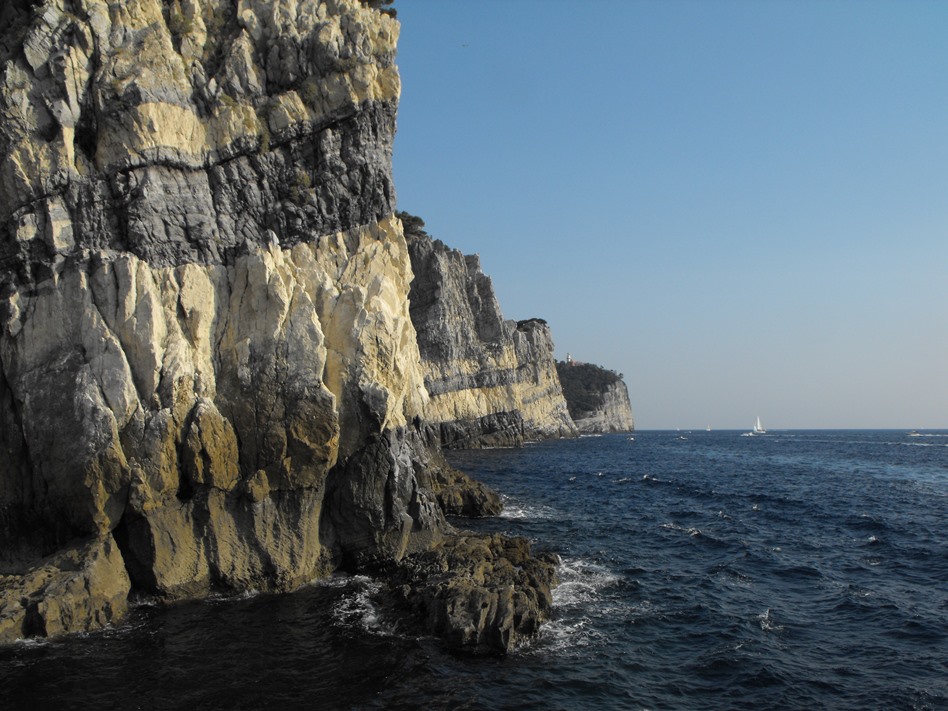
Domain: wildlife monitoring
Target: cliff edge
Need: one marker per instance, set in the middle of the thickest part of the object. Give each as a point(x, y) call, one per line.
point(209, 376)
point(491, 382)
point(597, 398)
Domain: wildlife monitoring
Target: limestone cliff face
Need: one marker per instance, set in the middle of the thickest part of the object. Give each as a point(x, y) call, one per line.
point(208, 366)
point(209, 374)
point(598, 399)
point(491, 382)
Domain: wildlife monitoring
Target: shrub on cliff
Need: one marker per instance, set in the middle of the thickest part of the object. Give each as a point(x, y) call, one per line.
point(412, 223)
point(584, 384)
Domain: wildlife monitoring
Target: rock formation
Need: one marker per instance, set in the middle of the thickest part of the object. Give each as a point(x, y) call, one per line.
point(598, 399)
point(480, 592)
point(491, 382)
point(209, 377)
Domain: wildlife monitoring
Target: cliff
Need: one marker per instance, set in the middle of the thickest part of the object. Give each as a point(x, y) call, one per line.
point(598, 399)
point(491, 382)
point(209, 377)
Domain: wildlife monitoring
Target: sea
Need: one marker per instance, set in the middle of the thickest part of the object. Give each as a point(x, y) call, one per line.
point(700, 570)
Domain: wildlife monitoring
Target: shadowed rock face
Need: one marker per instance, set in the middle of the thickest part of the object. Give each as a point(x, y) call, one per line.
point(598, 399)
point(209, 377)
point(480, 593)
point(492, 382)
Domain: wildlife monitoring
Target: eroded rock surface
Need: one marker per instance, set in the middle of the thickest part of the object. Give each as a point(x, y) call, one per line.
point(481, 593)
point(207, 363)
point(598, 398)
point(492, 382)
point(78, 589)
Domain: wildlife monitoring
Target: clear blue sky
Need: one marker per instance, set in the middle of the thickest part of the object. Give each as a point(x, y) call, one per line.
point(742, 206)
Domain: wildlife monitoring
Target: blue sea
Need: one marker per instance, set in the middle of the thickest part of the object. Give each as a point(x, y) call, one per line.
point(700, 570)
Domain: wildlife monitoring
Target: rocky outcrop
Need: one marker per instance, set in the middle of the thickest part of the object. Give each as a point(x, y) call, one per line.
point(79, 589)
point(598, 399)
point(491, 382)
point(209, 377)
point(481, 593)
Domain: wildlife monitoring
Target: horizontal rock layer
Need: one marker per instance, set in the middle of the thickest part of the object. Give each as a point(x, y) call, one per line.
point(492, 382)
point(209, 377)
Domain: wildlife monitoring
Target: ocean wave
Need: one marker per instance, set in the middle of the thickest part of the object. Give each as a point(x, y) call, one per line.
point(581, 581)
point(560, 635)
point(515, 509)
point(690, 530)
point(579, 603)
point(358, 608)
point(231, 596)
point(34, 642)
point(866, 522)
point(728, 572)
point(767, 622)
point(798, 572)
point(696, 534)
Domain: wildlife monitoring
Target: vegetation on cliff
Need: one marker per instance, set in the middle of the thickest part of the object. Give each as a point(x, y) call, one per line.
point(596, 397)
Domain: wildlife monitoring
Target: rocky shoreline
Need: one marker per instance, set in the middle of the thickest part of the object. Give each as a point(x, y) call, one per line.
point(478, 593)
point(226, 362)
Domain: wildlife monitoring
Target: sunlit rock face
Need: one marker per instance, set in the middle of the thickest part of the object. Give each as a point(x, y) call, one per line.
point(492, 382)
point(598, 399)
point(208, 366)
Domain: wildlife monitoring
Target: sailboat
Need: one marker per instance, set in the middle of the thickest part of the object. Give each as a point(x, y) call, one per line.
point(758, 430)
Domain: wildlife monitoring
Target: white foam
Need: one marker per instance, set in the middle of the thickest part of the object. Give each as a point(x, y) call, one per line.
point(767, 623)
point(515, 509)
point(357, 607)
point(693, 532)
point(571, 593)
point(226, 597)
point(581, 582)
point(33, 642)
point(578, 602)
point(560, 635)
point(341, 580)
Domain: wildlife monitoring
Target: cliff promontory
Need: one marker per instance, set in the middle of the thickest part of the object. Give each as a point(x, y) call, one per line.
point(209, 374)
point(598, 399)
point(492, 382)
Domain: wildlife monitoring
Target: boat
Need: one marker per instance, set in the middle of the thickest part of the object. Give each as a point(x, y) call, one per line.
point(758, 430)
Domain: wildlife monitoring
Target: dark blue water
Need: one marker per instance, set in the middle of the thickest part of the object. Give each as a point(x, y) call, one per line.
point(798, 570)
